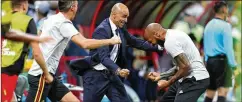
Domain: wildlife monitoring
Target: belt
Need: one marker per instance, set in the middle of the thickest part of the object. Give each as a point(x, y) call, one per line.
point(218, 56)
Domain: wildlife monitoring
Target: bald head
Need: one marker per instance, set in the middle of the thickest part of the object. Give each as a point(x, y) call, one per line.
point(119, 14)
point(154, 32)
point(119, 8)
point(153, 27)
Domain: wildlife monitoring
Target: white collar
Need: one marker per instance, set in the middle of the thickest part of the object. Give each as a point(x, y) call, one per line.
point(61, 15)
point(167, 33)
point(113, 26)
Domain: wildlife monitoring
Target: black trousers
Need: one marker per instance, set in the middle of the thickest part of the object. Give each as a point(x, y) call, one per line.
point(39, 90)
point(220, 73)
point(99, 83)
point(189, 90)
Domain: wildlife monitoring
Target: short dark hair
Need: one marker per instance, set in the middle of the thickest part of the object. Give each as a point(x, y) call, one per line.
point(17, 3)
point(218, 5)
point(65, 5)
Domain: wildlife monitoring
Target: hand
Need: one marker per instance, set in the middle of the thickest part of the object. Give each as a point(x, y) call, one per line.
point(48, 78)
point(154, 76)
point(163, 84)
point(115, 40)
point(123, 73)
point(45, 39)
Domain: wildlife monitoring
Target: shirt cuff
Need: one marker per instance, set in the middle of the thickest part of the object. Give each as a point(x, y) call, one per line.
point(160, 48)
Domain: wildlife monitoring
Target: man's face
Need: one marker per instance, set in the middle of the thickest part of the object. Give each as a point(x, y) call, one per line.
point(121, 18)
point(148, 36)
point(74, 8)
point(25, 6)
point(226, 12)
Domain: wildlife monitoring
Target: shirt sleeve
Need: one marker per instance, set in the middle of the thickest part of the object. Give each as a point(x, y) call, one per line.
point(68, 30)
point(228, 45)
point(32, 29)
point(174, 48)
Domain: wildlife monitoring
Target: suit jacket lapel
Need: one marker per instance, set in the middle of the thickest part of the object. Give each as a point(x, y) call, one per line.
point(123, 44)
point(109, 29)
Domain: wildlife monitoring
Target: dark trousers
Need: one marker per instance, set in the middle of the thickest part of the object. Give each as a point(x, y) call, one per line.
point(220, 73)
point(189, 90)
point(39, 90)
point(99, 83)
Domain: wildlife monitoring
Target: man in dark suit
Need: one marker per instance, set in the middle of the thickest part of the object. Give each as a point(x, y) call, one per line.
point(105, 77)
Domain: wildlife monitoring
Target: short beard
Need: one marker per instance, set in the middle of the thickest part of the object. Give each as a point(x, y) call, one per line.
point(161, 42)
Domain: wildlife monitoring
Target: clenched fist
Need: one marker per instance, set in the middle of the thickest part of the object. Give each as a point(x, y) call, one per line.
point(154, 76)
point(115, 40)
point(123, 73)
point(48, 78)
point(163, 84)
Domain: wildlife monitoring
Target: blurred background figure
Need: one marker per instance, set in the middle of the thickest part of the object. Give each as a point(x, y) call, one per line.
point(188, 22)
point(236, 34)
point(53, 7)
point(42, 9)
point(219, 53)
point(22, 85)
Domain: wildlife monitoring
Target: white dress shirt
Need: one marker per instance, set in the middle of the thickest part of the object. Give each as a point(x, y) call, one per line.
point(114, 52)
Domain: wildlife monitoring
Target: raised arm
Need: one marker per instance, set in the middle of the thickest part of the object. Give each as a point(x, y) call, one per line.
point(92, 43)
point(16, 35)
point(103, 52)
point(69, 31)
point(139, 43)
point(25, 37)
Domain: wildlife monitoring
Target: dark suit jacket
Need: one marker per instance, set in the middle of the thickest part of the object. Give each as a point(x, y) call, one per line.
point(103, 31)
